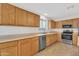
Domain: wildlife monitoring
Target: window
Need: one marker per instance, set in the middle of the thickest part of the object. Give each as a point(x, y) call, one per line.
point(44, 24)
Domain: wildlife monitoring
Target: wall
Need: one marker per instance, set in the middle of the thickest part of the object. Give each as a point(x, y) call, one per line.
point(10, 30)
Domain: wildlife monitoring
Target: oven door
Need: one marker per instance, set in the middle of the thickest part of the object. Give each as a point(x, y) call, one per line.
point(68, 37)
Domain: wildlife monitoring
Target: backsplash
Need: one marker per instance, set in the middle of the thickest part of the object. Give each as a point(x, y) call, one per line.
point(7, 30)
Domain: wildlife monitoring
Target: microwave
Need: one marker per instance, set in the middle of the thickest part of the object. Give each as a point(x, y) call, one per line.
point(67, 26)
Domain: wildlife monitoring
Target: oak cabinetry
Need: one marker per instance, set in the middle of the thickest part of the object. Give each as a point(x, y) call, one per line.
point(25, 47)
point(31, 19)
point(11, 15)
point(75, 22)
point(8, 49)
point(58, 24)
point(50, 39)
point(78, 41)
point(8, 14)
point(28, 46)
point(21, 17)
point(67, 22)
point(37, 21)
point(35, 45)
point(0, 14)
point(51, 24)
point(75, 38)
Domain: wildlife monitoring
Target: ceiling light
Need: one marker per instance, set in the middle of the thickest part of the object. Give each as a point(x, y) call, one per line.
point(45, 14)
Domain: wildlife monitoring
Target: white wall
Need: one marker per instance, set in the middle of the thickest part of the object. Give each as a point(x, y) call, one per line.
point(7, 30)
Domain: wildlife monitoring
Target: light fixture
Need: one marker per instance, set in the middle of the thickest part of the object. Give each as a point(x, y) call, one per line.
point(45, 14)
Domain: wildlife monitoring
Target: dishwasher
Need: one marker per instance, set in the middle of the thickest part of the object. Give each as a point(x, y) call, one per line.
point(42, 42)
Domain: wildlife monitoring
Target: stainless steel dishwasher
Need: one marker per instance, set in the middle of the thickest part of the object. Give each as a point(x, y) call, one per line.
point(42, 42)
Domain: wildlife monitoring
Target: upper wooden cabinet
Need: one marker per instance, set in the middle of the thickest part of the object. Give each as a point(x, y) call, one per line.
point(8, 14)
point(37, 21)
point(67, 22)
point(73, 22)
point(11, 15)
point(33, 20)
point(21, 17)
point(58, 24)
point(51, 24)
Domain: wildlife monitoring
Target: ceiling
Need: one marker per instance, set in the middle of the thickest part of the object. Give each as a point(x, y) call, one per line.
point(56, 11)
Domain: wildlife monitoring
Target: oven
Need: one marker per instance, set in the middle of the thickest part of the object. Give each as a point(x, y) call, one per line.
point(67, 34)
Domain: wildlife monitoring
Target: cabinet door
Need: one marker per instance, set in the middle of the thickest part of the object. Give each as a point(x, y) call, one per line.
point(51, 24)
point(50, 39)
point(31, 19)
point(21, 17)
point(67, 22)
point(8, 14)
point(35, 45)
point(0, 14)
point(37, 21)
point(75, 23)
point(9, 49)
point(25, 47)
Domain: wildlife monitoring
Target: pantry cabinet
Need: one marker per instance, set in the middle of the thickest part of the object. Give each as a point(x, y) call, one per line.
point(8, 14)
point(8, 49)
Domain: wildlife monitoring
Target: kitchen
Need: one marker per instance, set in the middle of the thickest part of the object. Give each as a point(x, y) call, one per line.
point(25, 32)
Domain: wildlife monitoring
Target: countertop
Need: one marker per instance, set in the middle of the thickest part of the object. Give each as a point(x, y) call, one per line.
point(8, 38)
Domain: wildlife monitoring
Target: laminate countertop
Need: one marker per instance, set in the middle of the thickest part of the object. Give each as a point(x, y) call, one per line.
point(7, 38)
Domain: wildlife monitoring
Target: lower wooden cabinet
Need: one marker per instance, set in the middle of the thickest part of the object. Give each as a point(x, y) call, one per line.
point(25, 47)
point(50, 39)
point(28, 46)
point(8, 49)
point(35, 45)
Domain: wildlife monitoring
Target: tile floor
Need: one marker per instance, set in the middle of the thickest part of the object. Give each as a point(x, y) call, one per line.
point(59, 49)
